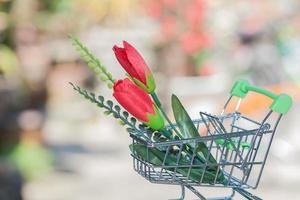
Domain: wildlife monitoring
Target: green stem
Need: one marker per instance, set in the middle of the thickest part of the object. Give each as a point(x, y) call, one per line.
point(158, 104)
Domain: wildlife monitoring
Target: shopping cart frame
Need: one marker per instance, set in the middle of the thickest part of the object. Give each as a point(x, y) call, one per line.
point(224, 138)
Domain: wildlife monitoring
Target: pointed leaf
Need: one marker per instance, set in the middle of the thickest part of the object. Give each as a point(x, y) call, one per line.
point(109, 75)
point(97, 71)
point(133, 120)
point(110, 85)
point(188, 129)
point(92, 65)
point(103, 69)
point(117, 108)
point(109, 103)
point(107, 112)
point(101, 98)
point(125, 114)
point(183, 120)
point(142, 127)
point(130, 130)
point(122, 123)
point(103, 78)
point(116, 115)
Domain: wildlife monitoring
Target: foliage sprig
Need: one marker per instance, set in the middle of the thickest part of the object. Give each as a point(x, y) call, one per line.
point(115, 110)
point(93, 62)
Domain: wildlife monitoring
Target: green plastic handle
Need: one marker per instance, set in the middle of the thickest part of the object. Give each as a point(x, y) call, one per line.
point(281, 102)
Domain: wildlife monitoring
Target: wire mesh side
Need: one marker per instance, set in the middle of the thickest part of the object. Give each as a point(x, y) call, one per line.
point(235, 146)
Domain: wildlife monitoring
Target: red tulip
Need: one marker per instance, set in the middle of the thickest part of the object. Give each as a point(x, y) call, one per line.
point(135, 66)
point(138, 103)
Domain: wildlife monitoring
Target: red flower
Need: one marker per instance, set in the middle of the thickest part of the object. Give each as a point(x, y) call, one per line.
point(138, 103)
point(135, 66)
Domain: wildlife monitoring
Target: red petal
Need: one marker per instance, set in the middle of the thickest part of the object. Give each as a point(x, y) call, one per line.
point(133, 99)
point(131, 106)
point(123, 60)
point(136, 61)
point(142, 95)
point(118, 85)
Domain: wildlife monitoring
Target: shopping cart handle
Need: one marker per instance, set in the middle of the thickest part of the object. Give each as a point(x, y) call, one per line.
point(281, 102)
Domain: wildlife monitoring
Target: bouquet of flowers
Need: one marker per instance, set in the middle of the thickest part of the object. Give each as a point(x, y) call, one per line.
point(140, 108)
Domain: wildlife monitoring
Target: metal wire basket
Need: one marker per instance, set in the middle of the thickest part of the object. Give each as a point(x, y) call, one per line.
point(240, 146)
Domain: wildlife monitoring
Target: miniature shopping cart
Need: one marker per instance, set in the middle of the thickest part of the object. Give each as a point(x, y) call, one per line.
point(240, 146)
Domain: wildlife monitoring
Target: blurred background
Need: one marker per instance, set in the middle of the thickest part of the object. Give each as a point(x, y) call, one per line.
point(54, 145)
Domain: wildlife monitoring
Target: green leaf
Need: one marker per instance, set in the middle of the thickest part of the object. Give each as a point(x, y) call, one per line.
point(107, 112)
point(109, 75)
point(110, 85)
point(117, 108)
point(109, 103)
point(104, 69)
point(103, 78)
point(101, 98)
point(130, 130)
point(93, 62)
point(142, 127)
point(100, 102)
point(98, 71)
point(188, 129)
point(183, 120)
point(125, 114)
point(133, 120)
point(92, 65)
point(116, 115)
point(121, 123)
